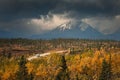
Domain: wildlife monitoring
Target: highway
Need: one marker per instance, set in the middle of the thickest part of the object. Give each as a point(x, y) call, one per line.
point(45, 54)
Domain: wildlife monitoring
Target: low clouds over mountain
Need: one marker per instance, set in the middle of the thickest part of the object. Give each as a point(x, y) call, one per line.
point(29, 17)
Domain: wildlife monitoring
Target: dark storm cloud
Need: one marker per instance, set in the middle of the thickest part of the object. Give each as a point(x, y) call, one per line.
point(15, 9)
point(94, 7)
point(23, 16)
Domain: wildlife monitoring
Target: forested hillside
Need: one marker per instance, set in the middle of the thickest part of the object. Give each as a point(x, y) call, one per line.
point(86, 59)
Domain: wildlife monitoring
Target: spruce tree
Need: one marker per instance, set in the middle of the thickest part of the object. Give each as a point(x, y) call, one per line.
point(22, 73)
point(63, 74)
point(9, 55)
point(109, 68)
point(31, 77)
point(106, 71)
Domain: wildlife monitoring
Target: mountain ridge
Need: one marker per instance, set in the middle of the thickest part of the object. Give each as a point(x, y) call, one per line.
point(70, 30)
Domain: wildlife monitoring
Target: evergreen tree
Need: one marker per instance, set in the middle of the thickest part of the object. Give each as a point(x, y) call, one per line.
point(9, 55)
point(63, 63)
point(109, 68)
point(31, 77)
point(63, 74)
point(106, 71)
point(22, 73)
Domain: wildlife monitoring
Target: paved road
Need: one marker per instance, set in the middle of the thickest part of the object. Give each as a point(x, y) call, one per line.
point(44, 54)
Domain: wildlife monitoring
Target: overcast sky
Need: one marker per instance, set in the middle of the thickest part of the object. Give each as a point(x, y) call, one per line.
point(30, 17)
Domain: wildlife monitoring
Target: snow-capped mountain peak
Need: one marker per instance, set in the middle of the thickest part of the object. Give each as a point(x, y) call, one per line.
point(75, 29)
point(65, 26)
point(83, 26)
point(71, 24)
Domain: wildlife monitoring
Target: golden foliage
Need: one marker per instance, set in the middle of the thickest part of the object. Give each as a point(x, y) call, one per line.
point(82, 66)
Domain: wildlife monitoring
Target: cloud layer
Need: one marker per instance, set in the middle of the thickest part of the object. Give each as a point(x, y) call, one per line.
point(36, 25)
point(50, 21)
point(29, 17)
point(104, 24)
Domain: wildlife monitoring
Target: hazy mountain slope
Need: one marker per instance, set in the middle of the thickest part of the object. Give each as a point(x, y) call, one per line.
point(69, 30)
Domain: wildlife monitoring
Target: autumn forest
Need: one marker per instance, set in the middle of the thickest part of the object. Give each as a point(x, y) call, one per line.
point(79, 59)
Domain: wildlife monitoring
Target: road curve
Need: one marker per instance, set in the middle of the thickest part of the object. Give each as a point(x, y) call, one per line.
point(44, 54)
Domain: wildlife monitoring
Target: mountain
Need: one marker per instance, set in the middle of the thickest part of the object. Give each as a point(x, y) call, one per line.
point(72, 30)
point(9, 34)
point(6, 34)
point(115, 36)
